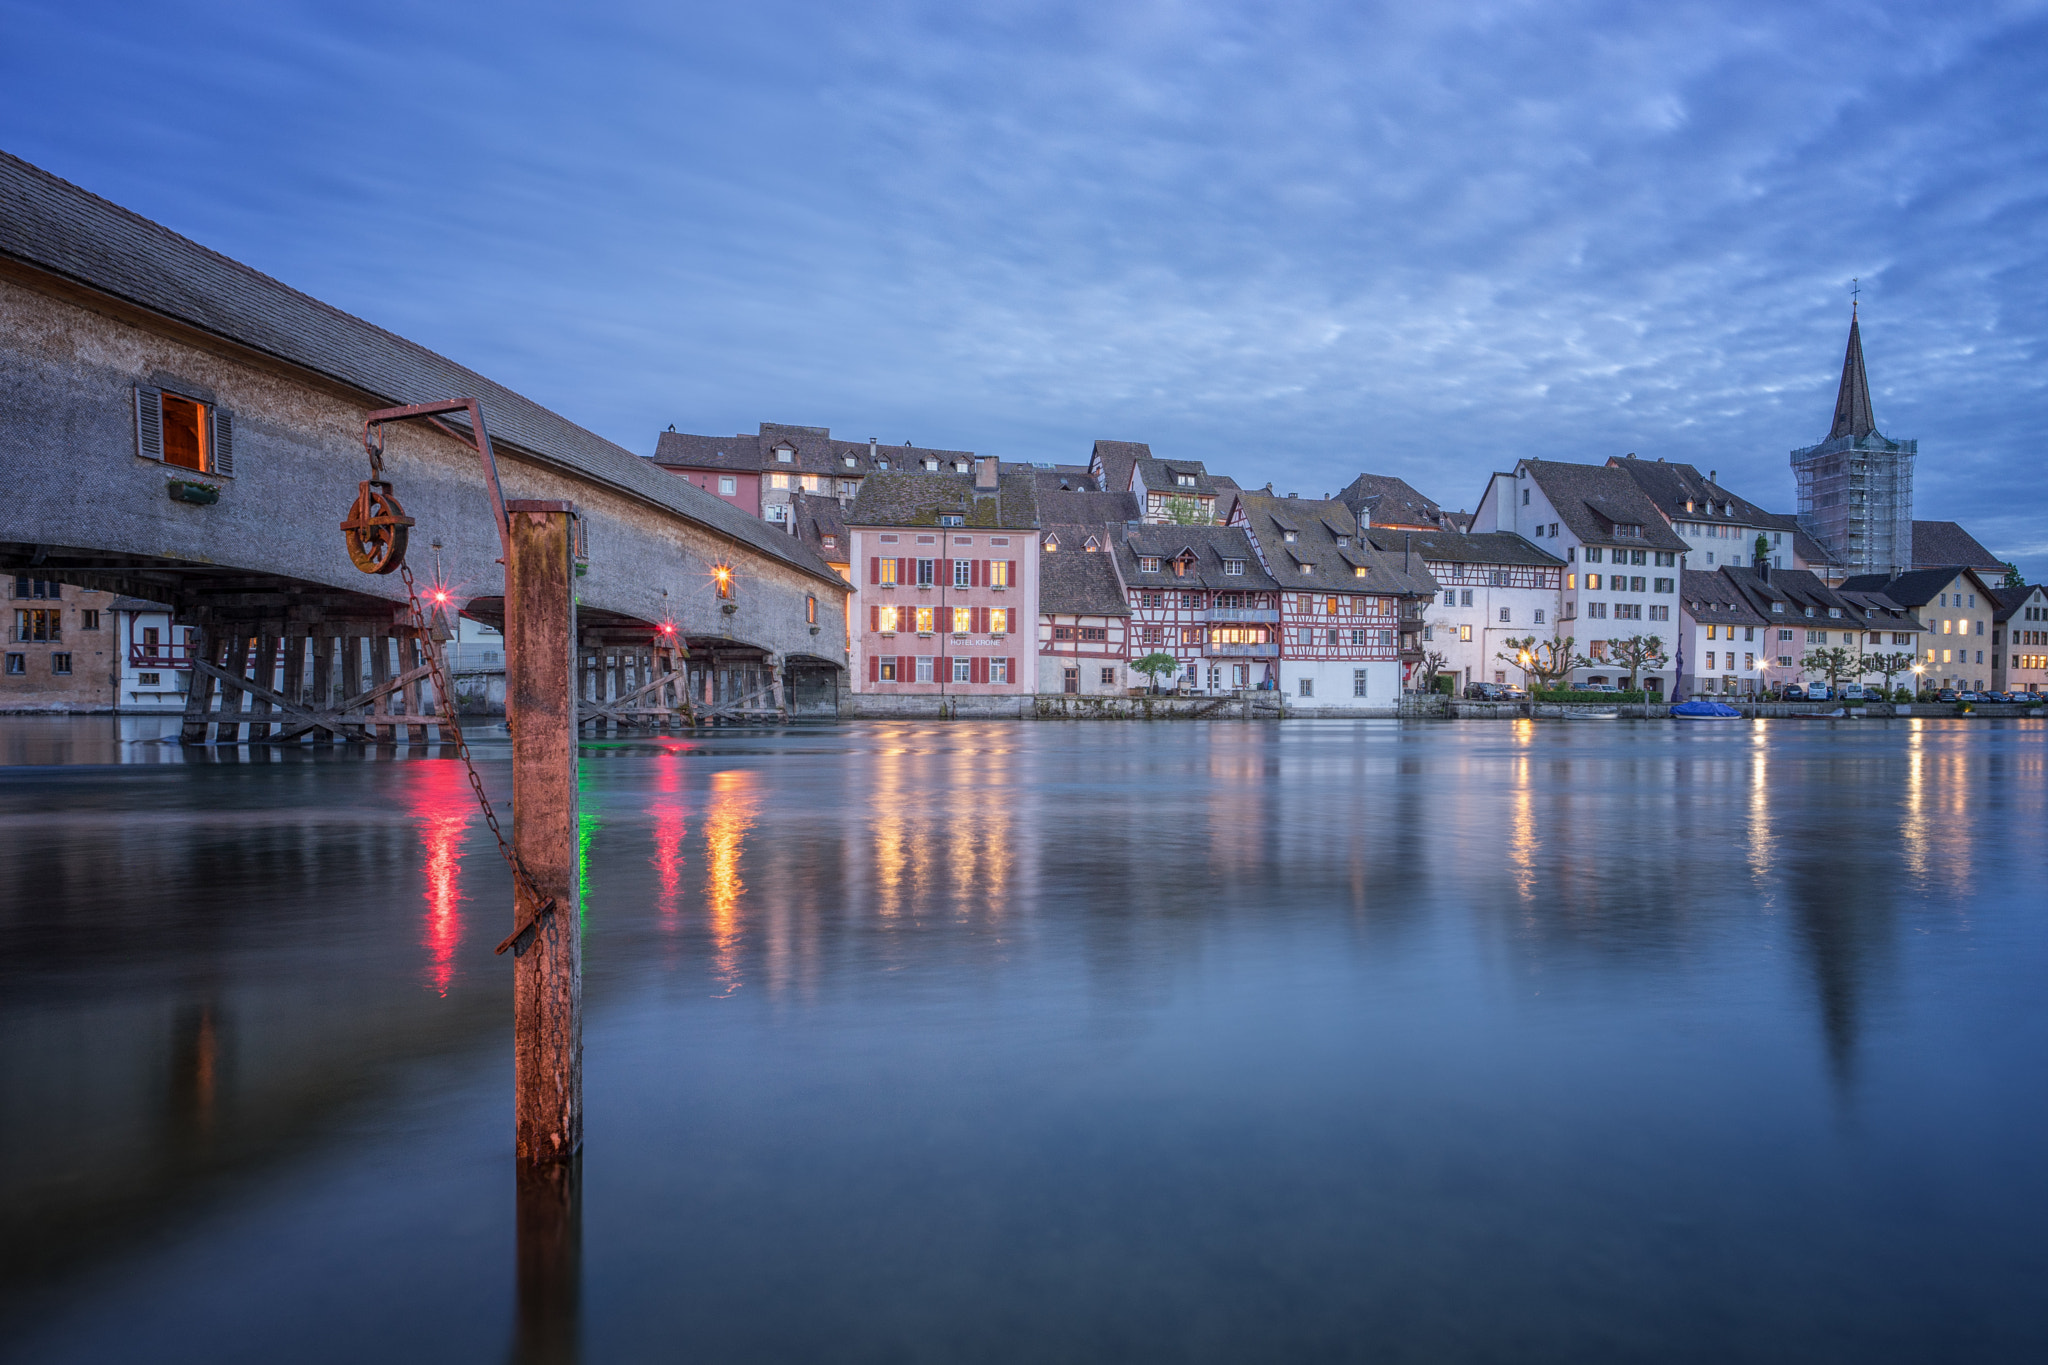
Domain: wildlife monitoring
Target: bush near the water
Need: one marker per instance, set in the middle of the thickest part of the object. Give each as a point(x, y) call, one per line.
point(1566, 694)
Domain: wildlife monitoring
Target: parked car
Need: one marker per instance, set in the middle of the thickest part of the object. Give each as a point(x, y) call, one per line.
point(1596, 687)
point(1854, 692)
point(1948, 694)
point(1513, 694)
point(1971, 696)
point(1485, 691)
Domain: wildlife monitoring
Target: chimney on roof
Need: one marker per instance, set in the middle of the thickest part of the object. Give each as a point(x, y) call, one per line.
point(1294, 495)
point(871, 447)
point(1763, 569)
point(1713, 476)
point(985, 474)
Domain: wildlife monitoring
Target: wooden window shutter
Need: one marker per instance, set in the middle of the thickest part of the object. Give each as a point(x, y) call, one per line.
point(903, 572)
point(874, 618)
point(149, 422)
point(223, 442)
point(946, 572)
point(874, 568)
point(1012, 571)
point(980, 669)
point(874, 668)
point(903, 669)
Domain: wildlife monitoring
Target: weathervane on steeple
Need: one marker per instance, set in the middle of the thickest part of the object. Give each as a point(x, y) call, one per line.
point(1855, 294)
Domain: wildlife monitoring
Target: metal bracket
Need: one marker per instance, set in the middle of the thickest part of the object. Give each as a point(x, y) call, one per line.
point(477, 439)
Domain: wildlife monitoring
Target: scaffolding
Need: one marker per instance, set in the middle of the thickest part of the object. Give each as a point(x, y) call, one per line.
point(1856, 499)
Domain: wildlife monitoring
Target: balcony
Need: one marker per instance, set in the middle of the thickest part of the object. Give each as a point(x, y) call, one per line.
point(170, 656)
point(1267, 615)
point(1266, 651)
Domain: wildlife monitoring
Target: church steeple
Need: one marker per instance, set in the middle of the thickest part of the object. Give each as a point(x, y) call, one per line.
point(1852, 404)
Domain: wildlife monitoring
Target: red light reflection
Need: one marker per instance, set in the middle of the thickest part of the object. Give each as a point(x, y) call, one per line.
point(669, 830)
point(443, 804)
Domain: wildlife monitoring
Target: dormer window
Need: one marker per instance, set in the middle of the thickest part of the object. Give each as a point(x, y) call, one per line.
point(1834, 611)
point(1051, 544)
point(881, 464)
point(831, 542)
point(1233, 567)
point(952, 520)
point(1092, 546)
point(931, 466)
point(1809, 611)
point(1180, 568)
point(783, 454)
point(1777, 606)
point(1308, 568)
point(1343, 541)
point(849, 461)
point(1358, 571)
point(959, 466)
point(1288, 536)
point(1148, 563)
point(1184, 480)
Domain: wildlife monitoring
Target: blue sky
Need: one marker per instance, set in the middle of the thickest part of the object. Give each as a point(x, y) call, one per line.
point(1293, 240)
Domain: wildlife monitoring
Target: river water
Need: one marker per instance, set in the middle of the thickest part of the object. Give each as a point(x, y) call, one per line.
point(1021, 1042)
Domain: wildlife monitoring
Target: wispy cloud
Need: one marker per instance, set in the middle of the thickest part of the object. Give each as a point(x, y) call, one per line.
point(1295, 240)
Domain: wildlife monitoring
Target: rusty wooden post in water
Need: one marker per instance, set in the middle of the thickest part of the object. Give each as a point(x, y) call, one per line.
point(540, 707)
point(547, 996)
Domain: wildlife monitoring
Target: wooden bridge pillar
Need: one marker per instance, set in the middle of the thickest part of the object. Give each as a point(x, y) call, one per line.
point(541, 710)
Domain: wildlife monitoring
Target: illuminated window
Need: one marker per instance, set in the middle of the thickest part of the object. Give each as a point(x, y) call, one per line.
point(1464, 632)
point(999, 620)
point(888, 573)
point(811, 610)
point(721, 578)
point(39, 625)
point(924, 624)
point(1592, 582)
point(778, 480)
point(885, 620)
point(888, 668)
point(999, 573)
point(963, 620)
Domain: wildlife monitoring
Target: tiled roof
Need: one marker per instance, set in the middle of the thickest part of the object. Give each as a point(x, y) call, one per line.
point(1939, 543)
point(1915, 589)
point(1450, 547)
point(1067, 507)
point(1381, 498)
point(1799, 589)
point(1226, 497)
point(1672, 486)
point(1880, 611)
point(812, 518)
point(1314, 522)
point(920, 499)
point(1211, 547)
point(2009, 600)
point(1163, 476)
point(59, 228)
point(1592, 499)
point(812, 451)
point(1116, 459)
point(1712, 599)
point(1073, 581)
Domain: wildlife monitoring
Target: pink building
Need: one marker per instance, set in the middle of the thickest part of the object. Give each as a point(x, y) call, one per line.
point(945, 568)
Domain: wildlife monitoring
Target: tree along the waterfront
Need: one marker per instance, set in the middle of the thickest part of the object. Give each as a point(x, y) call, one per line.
point(1889, 666)
point(1543, 662)
point(1636, 653)
point(1156, 663)
point(1833, 663)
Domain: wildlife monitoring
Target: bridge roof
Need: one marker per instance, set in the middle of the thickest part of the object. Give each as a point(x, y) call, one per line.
point(56, 227)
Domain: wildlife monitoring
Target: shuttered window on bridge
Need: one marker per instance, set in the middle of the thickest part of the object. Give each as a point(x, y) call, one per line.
point(186, 432)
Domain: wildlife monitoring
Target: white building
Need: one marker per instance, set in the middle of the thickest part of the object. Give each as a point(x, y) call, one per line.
point(1491, 588)
point(1621, 559)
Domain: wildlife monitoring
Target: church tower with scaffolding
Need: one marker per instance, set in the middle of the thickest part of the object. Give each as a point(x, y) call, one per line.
point(1856, 487)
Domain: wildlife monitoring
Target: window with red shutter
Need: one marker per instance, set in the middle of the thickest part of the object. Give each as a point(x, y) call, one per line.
point(874, 568)
point(905, 668)
point(874, 668)
point(874, 618)
point(1011, 571)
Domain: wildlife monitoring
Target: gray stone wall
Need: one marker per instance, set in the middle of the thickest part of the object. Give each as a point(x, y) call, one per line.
point(74, 479)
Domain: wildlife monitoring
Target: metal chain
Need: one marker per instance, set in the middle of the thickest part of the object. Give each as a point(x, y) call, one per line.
point(445, 696)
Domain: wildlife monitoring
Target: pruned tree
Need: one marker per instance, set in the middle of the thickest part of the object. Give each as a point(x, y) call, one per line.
point(1833, 663)
point(1544, 663)
point(1889, 666)
point(1432, 664)
point(1637, 653)
point(1156, 663)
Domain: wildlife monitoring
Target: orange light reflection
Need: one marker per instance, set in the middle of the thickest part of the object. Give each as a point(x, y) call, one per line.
point(733, 801)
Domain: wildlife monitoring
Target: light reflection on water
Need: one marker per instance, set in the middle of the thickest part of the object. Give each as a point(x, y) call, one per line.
point(1434, 1042)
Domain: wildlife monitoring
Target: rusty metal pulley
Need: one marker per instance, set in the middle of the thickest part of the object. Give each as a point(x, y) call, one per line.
point(376, 529)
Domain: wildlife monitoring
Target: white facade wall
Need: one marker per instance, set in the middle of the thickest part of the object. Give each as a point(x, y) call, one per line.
point(1333, 683)
point(1465, 626)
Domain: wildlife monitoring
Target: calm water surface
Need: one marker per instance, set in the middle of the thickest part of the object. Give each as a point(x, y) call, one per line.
point(1427, 1042)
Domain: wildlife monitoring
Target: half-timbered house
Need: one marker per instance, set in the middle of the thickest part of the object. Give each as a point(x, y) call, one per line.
point(1344, 606)
point(1200, 594)
point(1082, 618)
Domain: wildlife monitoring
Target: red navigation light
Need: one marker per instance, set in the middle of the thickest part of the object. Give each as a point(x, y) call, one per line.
point(440, 596)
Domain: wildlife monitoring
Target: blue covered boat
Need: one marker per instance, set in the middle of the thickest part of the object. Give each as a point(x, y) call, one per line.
point(1701, 709)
